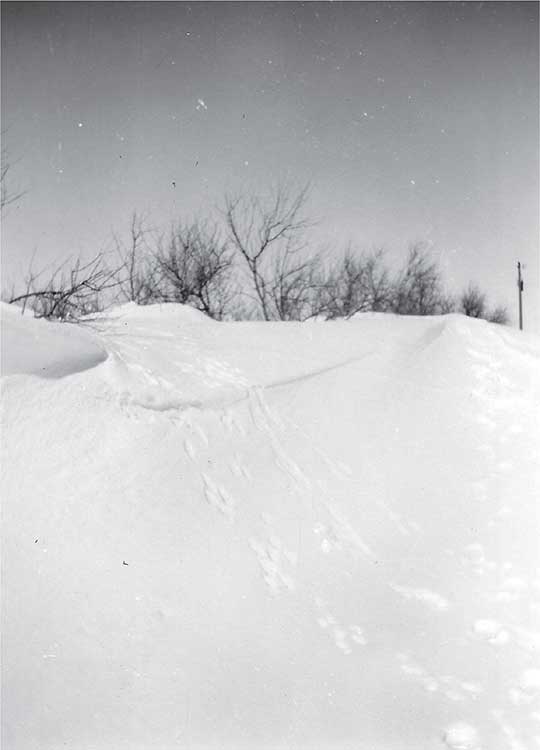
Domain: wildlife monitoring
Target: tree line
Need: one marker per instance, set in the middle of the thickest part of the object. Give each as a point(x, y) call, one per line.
point(252, 262)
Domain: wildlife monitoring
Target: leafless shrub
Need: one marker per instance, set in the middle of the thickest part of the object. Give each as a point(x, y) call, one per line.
point(418, 288)
point(67, 293)
point(473, 303)
point(499, 315)
point(268, 236)
point(138, 274)
point(292, 285)
point(357, 283)
point(194, 265)
point(7, 197)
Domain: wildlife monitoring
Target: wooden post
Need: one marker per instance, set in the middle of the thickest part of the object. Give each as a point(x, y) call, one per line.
point(520, 293)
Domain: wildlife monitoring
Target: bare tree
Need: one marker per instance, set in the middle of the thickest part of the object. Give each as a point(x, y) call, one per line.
point(499, 315)
point(67, 293)
point(139, 276)
point(268, 235)
point(292, 284)
point(418, 288)
point(473, 303)
point(6, 196)
point(195, 266)
point(355, 284)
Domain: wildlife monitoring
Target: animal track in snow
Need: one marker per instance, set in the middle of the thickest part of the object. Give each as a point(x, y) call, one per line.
point(341, 634)
point(338, 468)
point(236, 424)
point(528, 688)
point(479, 491)
point(512, 588)
point(483, 421)
point(273, 560)
point(263, 418)
point(239, 469)
point(231, 423)
point(328, 536)
point(235, 468)
point(189, 449)
point(292, 469)
point(201, 434)
point(344, 468)
point(485, 450)
point(403, 526)
point(245, 471)
point(503, 512)
point(451, 687)
point(461, 736)
point(418, 673)
point(475, 556)
point(491, 631)
point(226, 421)
point(341, 533)
point(218, 497)
point(430, 598)
point(514, 743)
point(529, 640)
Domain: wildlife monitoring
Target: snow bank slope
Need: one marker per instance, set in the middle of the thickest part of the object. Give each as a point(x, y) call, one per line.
point(37, 347)
point(266, 535)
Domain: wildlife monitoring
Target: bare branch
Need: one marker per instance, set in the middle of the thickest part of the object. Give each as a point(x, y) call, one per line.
point(195, 267)
point(267, 235)
point(68, 293)
point(6, 197)
point(138, 273)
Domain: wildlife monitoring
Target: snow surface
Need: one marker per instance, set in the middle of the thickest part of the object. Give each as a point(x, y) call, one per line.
point(37, 347)
point(270, 535)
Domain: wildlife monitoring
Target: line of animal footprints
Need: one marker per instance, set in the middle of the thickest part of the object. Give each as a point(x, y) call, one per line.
point(344, 636)
point(218, 497)
point(274, 560)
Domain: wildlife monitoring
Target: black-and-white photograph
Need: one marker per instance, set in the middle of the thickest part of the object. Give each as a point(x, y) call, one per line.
point(270, 358)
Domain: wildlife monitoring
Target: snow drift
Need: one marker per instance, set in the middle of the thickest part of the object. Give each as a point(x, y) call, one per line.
point(36, 347)
point(270, 535)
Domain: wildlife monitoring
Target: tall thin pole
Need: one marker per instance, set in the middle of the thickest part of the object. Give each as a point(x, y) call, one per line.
point(520, 293)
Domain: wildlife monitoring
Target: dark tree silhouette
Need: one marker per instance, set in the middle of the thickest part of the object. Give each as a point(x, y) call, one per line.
point(194, 265)
point(268, 237)
point(67, 292)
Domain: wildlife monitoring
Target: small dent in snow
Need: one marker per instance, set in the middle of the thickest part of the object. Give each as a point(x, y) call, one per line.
point(218, 497)
point(475, 556)
point(511, 589)
point(273, 560)
point(461, 736)
point(329, 538)
point(451, 687)
point(491, 631)
point(341, 634)
point(527, 639)
point(528, 689)
point(514, 742)
point(189, 449)
point(430, 598)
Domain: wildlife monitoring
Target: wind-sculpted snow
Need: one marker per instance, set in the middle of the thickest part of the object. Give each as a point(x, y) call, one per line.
point(50, 350)
point(258, 535)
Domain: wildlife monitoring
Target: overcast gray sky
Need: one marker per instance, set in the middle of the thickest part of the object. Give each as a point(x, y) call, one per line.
point(411, 120)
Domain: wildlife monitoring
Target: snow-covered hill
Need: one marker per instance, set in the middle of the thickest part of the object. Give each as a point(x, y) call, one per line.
point(278, 536)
